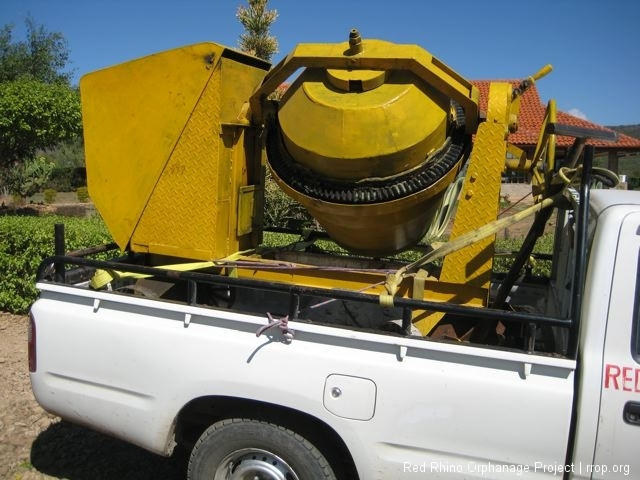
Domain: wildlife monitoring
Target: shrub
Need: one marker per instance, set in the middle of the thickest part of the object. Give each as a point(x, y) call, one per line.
point(67, 179)
point(17, 200)
point(83, 194)
point(281, 210)
point(26, 241)
point(60, 179)
point(50, 195)
point(29, 177)
point(544, 245)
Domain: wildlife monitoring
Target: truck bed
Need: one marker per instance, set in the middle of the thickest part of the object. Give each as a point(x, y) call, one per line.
point(146, 361)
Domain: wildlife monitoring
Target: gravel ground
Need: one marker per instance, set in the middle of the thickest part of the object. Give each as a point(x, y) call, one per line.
point(35, 445)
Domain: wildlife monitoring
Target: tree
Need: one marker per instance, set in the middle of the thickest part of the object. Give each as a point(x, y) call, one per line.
point(42, 56)
point(257, 20)
point(38, 107)
point(280, 209)
point(35, 116)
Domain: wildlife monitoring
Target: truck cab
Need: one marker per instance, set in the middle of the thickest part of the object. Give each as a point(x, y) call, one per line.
point(607, 403)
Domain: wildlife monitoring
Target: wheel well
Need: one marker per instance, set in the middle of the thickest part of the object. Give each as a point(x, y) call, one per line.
point(199, 414)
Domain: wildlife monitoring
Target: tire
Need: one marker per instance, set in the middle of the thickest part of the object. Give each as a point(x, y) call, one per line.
point(239, 449)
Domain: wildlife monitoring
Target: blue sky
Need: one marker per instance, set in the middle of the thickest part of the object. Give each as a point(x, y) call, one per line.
point(593, 45)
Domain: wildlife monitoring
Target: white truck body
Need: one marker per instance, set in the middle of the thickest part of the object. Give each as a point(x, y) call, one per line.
point(401, 407)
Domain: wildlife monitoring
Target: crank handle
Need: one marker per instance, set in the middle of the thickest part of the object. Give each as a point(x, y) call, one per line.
point(526, 83)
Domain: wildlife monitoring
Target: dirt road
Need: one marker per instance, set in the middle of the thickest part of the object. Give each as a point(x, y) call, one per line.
point(35, 445)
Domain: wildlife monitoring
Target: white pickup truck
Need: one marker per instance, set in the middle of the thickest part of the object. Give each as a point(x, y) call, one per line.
point(294, 364)
point(309, 400)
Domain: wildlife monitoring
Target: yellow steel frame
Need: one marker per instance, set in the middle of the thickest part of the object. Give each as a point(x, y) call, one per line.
point(543, 161)
point(480, 196)
point(377, 55)
point(362, 281)
point(479, 201)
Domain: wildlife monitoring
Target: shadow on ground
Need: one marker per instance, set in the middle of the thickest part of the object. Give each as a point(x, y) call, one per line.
point(72, 452)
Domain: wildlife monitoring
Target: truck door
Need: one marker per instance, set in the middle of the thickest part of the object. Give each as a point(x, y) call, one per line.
point(617, 451)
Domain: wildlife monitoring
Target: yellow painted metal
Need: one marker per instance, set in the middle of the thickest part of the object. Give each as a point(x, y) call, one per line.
point(168, 151)
point(479, 200)
point(542, 164)
point(517, 159)
point(363, 115)
point(375, 55)
point(378, 228)
point(543, 161)
point(480, 196)
point(365, 282)
point(364, 80)
point(380, 132)
point(175, 164)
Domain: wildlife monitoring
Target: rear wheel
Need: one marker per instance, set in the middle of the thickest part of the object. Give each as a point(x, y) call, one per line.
point(245, 449)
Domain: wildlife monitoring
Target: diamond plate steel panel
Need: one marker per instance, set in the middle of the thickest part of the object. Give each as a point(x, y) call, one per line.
point(480, 196)
point(133, 115)
point(192, 211)
point(187, 213)
point(478, 205)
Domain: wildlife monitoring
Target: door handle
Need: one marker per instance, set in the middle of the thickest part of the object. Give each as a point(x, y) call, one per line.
point(631, 413)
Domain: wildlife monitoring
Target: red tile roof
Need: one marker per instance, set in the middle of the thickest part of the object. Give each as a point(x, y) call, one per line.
point(532, 115)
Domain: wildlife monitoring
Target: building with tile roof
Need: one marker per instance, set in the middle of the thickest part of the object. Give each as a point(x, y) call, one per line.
point(531, 118)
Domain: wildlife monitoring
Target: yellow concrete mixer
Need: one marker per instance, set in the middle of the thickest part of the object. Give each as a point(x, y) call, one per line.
point(368, 138)
point(378, 141)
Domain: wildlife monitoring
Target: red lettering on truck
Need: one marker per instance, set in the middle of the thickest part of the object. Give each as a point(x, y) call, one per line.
point(626, 379)
point(611, 373)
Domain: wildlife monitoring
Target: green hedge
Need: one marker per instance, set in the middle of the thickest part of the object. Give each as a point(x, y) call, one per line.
point(541, 268)
point(26, 240)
